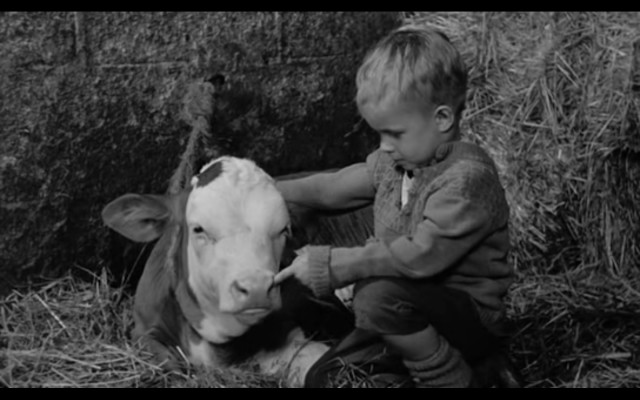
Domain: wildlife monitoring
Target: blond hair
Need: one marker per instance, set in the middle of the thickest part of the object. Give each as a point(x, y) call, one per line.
point(413, 63)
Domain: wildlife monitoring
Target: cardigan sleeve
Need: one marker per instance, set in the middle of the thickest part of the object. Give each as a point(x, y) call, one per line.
point(453, 224)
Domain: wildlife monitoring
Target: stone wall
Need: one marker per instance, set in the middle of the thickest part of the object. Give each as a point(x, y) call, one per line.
point(91, 109)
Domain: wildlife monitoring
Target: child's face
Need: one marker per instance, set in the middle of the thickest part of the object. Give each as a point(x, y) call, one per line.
point(408, 131)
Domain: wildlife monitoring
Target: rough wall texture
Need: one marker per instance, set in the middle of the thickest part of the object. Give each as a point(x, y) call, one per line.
point(90, 109)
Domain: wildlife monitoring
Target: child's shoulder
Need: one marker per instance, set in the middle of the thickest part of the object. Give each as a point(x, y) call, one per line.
point(459, 151)
point(468, 170)
point(379, 158)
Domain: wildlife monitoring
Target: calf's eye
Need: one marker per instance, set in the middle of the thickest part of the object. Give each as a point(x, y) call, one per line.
point(203, 236)
point(286, 231)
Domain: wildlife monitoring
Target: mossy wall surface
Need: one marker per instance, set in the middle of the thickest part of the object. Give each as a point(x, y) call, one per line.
point(91, 109)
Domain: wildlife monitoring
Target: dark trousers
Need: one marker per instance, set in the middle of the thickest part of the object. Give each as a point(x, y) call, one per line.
point(399, 306)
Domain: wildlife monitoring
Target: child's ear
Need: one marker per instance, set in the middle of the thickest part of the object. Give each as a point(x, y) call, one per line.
point(445, 118)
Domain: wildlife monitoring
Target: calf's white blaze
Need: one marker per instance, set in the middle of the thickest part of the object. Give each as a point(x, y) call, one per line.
point(236, 228)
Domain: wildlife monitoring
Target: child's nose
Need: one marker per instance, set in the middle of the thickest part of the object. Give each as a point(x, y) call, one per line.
point(386, 147)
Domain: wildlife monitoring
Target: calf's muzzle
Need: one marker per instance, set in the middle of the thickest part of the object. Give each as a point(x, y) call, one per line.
point(254, 291)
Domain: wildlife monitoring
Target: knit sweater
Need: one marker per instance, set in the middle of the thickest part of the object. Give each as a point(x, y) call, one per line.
point(453, 229)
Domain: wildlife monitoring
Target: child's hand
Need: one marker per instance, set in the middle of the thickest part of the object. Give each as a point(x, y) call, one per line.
point(345, 295)
point(299, 268)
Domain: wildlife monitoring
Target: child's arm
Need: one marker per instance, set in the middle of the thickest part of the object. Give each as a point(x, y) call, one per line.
point(451, 227)
point(350, 187)
point(456, 219)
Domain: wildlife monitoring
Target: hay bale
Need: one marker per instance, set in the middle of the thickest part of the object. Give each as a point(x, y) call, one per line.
point(551, 97)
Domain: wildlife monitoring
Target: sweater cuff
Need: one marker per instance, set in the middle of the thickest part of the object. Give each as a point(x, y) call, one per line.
point(319, 258)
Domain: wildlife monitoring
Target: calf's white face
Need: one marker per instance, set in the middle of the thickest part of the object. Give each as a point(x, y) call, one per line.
point(237, 222)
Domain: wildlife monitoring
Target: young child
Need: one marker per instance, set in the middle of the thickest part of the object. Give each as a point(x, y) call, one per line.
point(432, 281)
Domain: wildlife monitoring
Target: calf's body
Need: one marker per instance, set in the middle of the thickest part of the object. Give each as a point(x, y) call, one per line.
point(206, 296)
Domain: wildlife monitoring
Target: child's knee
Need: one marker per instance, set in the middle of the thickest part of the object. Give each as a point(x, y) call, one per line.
point(382, 306)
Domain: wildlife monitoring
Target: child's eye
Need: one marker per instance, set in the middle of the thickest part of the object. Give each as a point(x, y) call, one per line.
point(198, 229)
point(393, 134)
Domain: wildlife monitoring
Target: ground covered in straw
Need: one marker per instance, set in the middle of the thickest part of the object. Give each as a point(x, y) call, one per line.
point(569, 330)
point(73, 333)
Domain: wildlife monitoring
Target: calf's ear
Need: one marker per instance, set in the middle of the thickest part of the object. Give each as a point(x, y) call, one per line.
point(139, 217)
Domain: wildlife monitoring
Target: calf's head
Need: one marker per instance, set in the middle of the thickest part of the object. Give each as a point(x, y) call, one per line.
point(237, 223)
point(225, 235)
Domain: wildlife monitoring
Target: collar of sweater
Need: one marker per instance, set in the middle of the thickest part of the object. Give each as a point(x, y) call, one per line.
point(453, 150)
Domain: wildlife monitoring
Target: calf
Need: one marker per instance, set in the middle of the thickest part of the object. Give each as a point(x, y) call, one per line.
point(206, 296)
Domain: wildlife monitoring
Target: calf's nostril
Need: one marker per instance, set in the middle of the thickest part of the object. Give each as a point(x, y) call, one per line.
point(254, 288)
point(272, 285)
point(240, 289)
